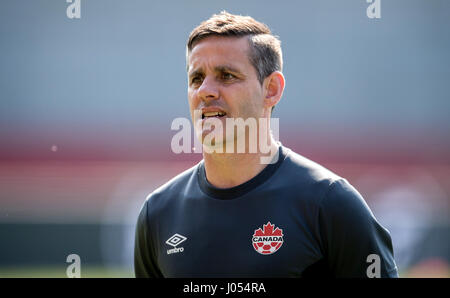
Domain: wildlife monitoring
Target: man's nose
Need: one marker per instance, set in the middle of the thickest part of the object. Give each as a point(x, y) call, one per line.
point(208, 90)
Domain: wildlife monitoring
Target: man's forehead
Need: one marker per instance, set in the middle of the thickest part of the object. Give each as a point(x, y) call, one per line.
point(216, 52)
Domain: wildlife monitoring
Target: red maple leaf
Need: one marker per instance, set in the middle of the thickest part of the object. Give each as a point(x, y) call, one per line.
point(268, 230)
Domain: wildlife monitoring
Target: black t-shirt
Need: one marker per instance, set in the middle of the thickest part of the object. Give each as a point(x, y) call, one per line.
point(294, 219)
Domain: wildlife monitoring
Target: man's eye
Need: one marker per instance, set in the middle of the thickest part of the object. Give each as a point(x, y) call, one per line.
point(227, 76)
point(196, 80)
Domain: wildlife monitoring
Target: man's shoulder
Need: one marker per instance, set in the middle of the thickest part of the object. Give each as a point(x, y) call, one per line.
point(326, 189)
point(302, 170)
point(310, 182)
point(165, 193)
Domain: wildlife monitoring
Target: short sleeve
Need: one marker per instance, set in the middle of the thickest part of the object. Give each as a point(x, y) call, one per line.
point(144, 264)
point(350, 234)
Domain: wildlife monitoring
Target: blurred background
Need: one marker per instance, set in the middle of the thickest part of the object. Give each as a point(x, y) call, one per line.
point(86, 107)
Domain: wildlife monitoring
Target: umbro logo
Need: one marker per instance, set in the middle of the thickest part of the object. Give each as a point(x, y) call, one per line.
point(174, 241)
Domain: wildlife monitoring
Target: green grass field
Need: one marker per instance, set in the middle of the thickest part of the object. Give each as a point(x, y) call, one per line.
point(103, 272)
point(60, 272)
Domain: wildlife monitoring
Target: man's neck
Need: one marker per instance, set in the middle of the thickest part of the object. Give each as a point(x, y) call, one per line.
point(226, 170)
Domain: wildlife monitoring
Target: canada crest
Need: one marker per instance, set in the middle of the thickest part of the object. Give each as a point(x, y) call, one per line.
point(268, 240)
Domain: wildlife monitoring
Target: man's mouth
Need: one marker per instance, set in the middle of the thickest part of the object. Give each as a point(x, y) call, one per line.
point(217, 114)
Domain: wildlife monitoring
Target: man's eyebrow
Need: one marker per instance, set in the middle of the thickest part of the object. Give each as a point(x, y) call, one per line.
point(219, 68)
point(226, 68)
point(196, 72)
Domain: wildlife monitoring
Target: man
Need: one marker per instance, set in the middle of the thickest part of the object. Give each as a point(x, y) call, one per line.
point(232, 215)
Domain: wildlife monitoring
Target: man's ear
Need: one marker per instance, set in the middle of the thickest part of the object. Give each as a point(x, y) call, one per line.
point(273, 89)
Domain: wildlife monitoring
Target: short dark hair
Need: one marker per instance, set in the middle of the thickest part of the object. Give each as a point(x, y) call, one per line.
point(265, 48)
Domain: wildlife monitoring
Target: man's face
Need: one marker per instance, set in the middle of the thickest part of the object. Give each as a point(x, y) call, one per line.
point(222, 79)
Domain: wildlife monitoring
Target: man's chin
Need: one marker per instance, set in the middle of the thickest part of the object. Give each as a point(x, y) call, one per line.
point(208, 140)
